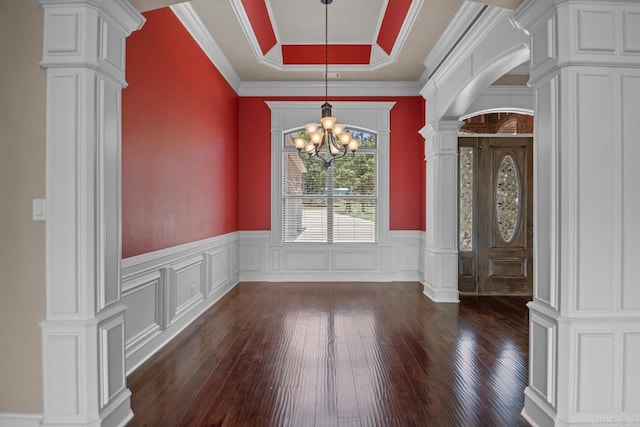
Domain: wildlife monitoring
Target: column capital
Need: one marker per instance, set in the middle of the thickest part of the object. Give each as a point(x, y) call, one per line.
point(443, 125)
point(441, 137)
point(596, 33)
point(88, 34)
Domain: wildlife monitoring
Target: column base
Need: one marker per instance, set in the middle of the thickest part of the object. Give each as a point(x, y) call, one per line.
point(441, 275)
point(535, 411)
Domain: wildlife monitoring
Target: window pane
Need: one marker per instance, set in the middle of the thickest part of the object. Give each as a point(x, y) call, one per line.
point(355, 175)
point(294, 169)
point(354, 219)
point(305, 219)
point(466, 198)
point(508, 198)
point(366, 139)
point(334, 205)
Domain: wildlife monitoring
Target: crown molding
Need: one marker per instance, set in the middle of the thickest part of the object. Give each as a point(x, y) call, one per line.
point(275, 62)
point(529, 13)
point(316, 88)
point(190, 19)
point(407, 25)
point(245, 24)
point(460, 23)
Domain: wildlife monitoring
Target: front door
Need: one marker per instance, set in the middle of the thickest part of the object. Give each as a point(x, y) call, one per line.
point(496, 215)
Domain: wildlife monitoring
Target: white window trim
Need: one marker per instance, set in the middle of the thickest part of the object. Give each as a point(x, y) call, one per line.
point(289, 115)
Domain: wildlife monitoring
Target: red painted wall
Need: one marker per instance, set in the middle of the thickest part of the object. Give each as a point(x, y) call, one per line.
point(179, 141)
point(407, 166)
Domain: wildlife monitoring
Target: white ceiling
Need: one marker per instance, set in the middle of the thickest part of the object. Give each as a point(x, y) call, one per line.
point(350, 22)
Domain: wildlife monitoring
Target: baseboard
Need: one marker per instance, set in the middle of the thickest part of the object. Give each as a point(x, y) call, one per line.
point(435, 295)
point(20, 420)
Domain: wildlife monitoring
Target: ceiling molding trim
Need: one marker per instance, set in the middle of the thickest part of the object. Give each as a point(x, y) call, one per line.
point(272, 19)
point(260, 19)
point(190, 19)
point(376, 32)
point(531, 13)
point(245, 24)
point(273, 62)
point(407, 25)
point(335, 89)
point(459, 24)
point(394, 20)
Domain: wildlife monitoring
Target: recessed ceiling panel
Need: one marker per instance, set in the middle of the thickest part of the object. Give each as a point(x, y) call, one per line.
point(350, 21)
point(361, 24)
point(345, 54)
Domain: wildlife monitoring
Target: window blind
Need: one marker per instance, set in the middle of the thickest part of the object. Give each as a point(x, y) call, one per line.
point(339, 204)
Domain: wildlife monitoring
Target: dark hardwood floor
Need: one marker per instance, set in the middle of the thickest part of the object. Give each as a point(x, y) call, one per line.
point(340, 354)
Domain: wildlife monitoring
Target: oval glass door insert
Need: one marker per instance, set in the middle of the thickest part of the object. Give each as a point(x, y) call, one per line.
point(508, 198)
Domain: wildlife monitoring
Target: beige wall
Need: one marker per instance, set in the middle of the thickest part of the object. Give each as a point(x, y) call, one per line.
point(146, 5)
point(22, 178)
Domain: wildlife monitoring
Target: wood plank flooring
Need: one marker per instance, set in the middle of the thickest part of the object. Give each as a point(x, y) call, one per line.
point(340, 354)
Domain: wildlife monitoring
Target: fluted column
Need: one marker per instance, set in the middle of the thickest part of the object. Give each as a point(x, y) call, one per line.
point(83, 333)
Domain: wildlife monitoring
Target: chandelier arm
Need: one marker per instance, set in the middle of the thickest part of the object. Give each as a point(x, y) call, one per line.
point(326, 163)
point(341, 154)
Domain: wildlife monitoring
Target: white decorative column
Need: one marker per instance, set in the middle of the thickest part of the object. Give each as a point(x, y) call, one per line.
point(441, 252)
point(83, 333)
point(585, 316)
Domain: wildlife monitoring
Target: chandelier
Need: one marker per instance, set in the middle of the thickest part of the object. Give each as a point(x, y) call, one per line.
point(328, 141)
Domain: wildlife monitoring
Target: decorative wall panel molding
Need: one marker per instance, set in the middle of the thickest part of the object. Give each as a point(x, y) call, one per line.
point(542, 338)
point(111, 353)
point(397, 261)
point(166, 290)
point(595, 376)
point(142, 325)
point(630, 37)
point(631, 370)
point(184, 285)
point(219, 268)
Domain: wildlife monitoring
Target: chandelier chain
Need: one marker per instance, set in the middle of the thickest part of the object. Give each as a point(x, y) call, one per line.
point(337, 140)
point(326, 51)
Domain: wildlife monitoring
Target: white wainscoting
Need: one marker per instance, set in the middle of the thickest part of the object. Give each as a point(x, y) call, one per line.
point(399, 260)
point(166, 290)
